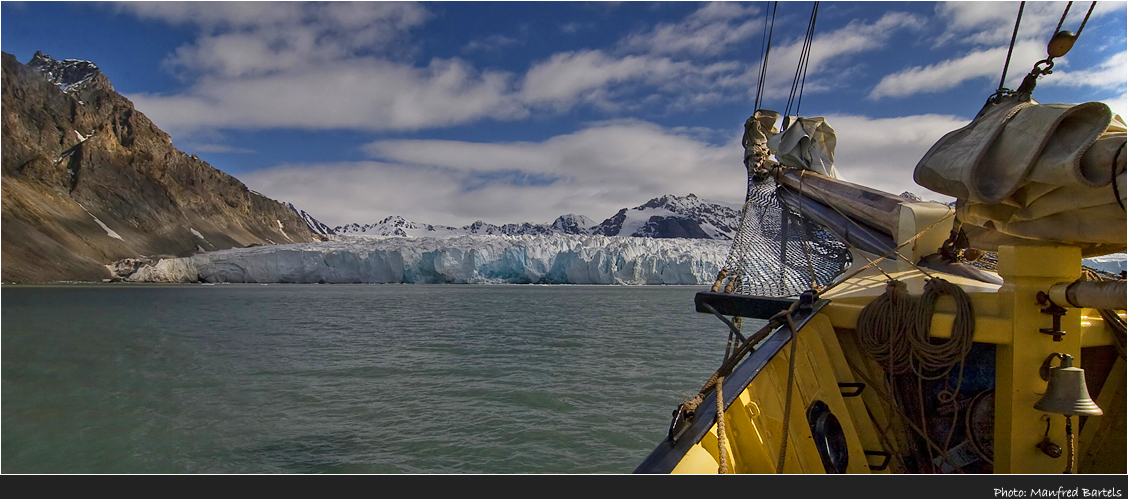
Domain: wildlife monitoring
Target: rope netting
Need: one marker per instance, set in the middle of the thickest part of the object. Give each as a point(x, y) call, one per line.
point(777, 251)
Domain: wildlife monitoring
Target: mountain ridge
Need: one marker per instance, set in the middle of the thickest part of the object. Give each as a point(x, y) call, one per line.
point(88, 180)
point(666, 216)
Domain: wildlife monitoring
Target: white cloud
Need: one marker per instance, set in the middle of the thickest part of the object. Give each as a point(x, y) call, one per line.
point(948, 74)
point(992, 23)
point(491, 43)
point(1118, 104)
point(365, 94)
point(882, 152)
point(247, 38)
point(830, 53)
point(1112, 73)
point(321, 65)
point(988, 27)
point(597, 171)
point(566, 76)
point(709, 31)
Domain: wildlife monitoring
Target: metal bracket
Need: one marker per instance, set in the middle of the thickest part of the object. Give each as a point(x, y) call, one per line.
point(858, 387)
point(1054, 310)
point(884, 463)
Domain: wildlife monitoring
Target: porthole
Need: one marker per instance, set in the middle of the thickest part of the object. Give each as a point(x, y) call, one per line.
point(830, 440)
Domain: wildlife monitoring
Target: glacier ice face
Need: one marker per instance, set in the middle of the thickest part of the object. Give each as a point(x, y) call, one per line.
point(548, 259)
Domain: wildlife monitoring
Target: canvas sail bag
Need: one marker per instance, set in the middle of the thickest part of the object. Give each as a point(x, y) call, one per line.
point(806, 143)
point(1026, 173)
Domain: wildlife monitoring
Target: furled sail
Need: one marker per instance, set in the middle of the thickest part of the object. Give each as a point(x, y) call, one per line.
point(1027, 173)
point(806, 143)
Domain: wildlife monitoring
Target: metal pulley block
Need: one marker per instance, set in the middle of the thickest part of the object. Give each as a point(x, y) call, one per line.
point(1061, 43)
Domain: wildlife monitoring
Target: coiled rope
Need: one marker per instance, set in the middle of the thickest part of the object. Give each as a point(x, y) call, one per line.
point(934, 358)
point(894, 329)
point(883, 327)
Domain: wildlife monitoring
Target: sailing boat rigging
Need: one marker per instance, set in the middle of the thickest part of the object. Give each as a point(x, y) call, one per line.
point(888, 347)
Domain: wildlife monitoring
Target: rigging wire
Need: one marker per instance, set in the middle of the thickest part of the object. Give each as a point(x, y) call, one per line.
point(1063, 14)
point(1087, 14)
point(1010, 50)
point(800, 79)
point(806, 63)
point(767, 51)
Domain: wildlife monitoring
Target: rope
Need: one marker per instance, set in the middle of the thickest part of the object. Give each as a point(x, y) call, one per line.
point(883, 324)
point(738, 353)
point(803, 83)
point(767, 52)
point(934, 358)
point(1010, 50)
point(1070, 443)
point(888, 253)
point(891, 404)
point(804, 57)
point(722, 454)
point(1087, 14)
point(894, 329)
point(790, 387)
point(883, 433)
point(1063, 14)
point(971, 434)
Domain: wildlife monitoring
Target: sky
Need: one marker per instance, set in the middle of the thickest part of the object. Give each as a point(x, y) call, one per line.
point(507, 112)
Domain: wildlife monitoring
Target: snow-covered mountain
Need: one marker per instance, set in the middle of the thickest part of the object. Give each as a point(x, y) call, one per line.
point(545, 259)
point(662, 217)
point(1115, 263)
point(672, 216)
point(68, 74)
point(398, 226)
point(315, 226)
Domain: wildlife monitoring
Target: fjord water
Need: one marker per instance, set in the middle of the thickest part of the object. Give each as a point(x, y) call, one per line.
point(346, 378)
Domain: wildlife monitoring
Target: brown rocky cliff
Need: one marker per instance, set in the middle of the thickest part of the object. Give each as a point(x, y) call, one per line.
point(76, 158)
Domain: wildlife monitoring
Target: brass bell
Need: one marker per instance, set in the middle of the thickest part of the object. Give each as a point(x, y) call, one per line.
point(1066, 393)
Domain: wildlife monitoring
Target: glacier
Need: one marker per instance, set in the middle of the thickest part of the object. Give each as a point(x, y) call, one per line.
point(478, 259)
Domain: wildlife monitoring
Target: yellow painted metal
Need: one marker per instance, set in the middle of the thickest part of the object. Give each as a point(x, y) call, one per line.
point(1008, 317)
point(754, 422)
point(1019, 427)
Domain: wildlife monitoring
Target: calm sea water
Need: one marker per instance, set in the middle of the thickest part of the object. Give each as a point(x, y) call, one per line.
point(344, 378)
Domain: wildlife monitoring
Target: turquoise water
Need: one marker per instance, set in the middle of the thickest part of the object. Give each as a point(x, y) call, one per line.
point(346, 378)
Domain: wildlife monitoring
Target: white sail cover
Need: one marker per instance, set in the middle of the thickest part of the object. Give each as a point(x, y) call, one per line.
point(806, 143)
point(1028, 173)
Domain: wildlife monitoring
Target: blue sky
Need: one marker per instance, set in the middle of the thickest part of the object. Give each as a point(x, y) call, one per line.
point(511, 111)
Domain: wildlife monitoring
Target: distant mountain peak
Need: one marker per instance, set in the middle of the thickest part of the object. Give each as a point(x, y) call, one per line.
point(68, 74)
point(661, 217)
point(673, 216)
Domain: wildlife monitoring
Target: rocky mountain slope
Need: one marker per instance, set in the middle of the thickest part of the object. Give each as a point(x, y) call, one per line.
point(663, 217)
point(87, 180)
